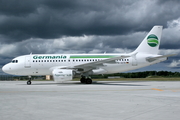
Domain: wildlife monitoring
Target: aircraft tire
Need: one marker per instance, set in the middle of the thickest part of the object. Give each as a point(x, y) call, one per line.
point(88, 81)
point(83, 80)
point(28, 82)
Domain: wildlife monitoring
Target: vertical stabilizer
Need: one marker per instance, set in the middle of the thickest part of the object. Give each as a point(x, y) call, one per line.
point(151, 42)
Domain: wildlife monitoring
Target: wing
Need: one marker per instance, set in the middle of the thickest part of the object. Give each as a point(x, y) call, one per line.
point(93, 65)
point(152, 59)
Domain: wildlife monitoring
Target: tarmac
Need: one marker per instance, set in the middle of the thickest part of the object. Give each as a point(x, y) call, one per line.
point(105, 100)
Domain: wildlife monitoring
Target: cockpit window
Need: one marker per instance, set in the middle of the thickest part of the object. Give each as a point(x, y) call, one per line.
point(14, 61)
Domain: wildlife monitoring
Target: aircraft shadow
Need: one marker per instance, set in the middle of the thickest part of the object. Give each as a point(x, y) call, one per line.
point(117, 83)
point(110, 83)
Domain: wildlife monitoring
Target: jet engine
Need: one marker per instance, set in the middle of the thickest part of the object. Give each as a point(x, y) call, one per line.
point(60, 75)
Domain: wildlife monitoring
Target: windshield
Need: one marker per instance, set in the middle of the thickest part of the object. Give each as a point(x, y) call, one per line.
point(14, 61)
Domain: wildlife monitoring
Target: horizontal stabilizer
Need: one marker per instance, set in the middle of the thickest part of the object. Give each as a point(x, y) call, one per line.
point(151, 59)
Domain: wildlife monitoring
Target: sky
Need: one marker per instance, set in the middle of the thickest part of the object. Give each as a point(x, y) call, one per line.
point(87, 26)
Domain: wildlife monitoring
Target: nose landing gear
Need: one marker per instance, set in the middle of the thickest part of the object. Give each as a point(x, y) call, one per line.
point(29, 81)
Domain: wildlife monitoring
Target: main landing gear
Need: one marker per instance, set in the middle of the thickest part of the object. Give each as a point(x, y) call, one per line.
point(86, 80)
point(29, 81)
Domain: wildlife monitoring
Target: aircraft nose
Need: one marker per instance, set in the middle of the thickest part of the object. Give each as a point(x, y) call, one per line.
point(5, 68)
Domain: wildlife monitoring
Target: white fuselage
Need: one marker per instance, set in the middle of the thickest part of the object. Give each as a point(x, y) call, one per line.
point(66, 66)
point(43, 64)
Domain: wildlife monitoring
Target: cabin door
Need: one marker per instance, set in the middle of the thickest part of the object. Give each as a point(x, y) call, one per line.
point(134, 62)
point(27, 62)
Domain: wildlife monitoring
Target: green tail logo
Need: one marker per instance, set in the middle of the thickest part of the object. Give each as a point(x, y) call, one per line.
point(152, 40)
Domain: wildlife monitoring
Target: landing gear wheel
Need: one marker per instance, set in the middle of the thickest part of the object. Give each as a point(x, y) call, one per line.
point(28, 82)
point(88, 81)
point(83, 80)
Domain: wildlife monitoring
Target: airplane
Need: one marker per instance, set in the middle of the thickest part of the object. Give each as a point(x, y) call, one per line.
point(63, 67)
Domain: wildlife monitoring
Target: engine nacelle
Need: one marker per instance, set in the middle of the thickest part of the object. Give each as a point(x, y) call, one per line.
point(60, 75)
point(99, 71)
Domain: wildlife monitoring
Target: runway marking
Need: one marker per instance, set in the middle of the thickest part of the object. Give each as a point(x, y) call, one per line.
point(157, 89)
point(173, 90)
point(101, 90)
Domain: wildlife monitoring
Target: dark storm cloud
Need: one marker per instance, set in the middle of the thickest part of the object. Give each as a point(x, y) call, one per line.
point(24, 19)
point(85, 26)
point(18, 7)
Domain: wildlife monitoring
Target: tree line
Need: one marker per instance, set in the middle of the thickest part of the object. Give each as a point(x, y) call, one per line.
point(144, 74)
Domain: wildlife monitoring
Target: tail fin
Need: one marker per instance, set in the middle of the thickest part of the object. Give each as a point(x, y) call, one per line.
point(151, 42)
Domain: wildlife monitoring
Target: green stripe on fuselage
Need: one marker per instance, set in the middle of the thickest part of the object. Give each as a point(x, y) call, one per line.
point(92, 56)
